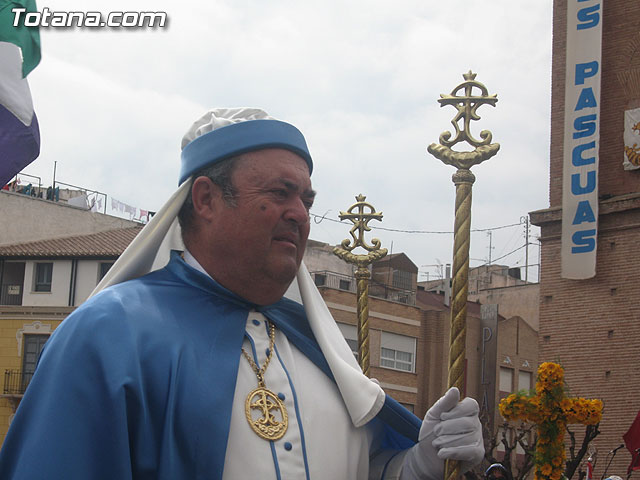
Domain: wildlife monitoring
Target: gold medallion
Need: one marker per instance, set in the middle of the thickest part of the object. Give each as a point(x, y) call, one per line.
point(266, 414)
point(271, 422)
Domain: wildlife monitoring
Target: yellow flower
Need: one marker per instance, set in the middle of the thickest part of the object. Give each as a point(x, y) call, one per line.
point(551, 411)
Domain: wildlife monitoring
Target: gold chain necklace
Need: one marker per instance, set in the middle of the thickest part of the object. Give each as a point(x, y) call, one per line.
point(264, 401)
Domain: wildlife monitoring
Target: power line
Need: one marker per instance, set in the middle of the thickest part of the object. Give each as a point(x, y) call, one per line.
point(505, 255)
point(320, 218)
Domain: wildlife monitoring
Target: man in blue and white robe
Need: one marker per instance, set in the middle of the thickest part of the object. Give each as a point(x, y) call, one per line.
point(146, 380)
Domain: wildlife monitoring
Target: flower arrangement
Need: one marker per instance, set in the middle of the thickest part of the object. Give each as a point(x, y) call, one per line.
point(551, 411)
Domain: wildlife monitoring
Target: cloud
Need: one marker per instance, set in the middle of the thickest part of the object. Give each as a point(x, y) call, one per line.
point(361, 79)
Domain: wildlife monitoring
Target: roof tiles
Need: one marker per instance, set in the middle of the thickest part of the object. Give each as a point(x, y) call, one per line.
point(110, 243)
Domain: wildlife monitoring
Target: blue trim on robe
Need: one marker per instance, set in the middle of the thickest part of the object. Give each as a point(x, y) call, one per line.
point(254, 351)
point(303, 444)
point(275, 460)
point(128, 367)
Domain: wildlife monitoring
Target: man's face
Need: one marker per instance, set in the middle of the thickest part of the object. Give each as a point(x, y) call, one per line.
point(257, 245)
point(495, 474)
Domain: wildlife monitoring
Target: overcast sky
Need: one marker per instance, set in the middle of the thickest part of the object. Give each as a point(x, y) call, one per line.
point(359, 78)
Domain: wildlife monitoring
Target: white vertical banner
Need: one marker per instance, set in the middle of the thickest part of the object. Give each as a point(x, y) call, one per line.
point(581, 139)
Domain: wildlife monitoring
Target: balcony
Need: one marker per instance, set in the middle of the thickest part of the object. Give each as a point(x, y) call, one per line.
point(16, 382)
point(10, 294)
point(348, 283)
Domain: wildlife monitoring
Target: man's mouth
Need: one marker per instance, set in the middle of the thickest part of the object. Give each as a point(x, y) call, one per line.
point(291, 238)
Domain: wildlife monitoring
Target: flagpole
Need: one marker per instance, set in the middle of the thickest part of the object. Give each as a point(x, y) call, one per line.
point(53, 187)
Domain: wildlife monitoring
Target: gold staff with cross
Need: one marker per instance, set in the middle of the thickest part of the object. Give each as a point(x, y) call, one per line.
point(466, 102)
point(360, 218)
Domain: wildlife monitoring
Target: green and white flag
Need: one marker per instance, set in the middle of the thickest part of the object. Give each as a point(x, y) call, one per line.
point(26, 38)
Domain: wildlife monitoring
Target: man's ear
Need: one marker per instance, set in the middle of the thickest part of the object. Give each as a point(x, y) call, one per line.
point(207, 198)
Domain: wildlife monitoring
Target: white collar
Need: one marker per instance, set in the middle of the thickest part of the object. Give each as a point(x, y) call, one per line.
point(192, 262)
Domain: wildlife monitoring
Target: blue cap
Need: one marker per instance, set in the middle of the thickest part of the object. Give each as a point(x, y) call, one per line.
point(239, 138)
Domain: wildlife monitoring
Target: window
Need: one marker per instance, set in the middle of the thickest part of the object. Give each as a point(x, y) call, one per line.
point(408, 406)
point(11, 283)
point(350, 334)
point(320, 279)
point(524, 380)
point(104, 268)
point(33, 345)
point(396, 359)
point(345, 284)
point(401, 297)
point(506, 381)
point(353, 345)
point(44, 272)
point(402, 279)
point(397, 352)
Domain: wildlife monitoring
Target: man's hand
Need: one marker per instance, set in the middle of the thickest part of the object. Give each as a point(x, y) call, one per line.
point(451, 429)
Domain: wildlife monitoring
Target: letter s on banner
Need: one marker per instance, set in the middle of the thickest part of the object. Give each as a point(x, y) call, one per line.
point(585, 241)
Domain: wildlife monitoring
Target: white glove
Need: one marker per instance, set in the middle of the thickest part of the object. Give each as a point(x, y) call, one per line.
point(450, 429)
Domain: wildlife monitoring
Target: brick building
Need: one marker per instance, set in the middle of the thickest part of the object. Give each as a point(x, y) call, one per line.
point(394, 331)
point(593, 326)
point(497, 285)
point(395, 320)
point(501, 352)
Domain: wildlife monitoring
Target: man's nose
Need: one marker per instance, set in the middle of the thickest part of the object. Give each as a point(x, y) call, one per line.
point(297, 212)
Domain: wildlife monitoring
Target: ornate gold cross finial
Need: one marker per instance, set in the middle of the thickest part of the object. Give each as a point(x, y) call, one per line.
point(466, 104)
point(360, 219)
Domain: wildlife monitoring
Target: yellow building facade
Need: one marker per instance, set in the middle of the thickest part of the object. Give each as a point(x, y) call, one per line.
point(23, 331)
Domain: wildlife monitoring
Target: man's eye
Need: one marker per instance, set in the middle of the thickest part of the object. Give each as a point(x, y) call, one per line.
point(280, 192)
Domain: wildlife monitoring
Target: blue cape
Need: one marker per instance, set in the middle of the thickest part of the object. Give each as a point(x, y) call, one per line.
point(119, 391)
